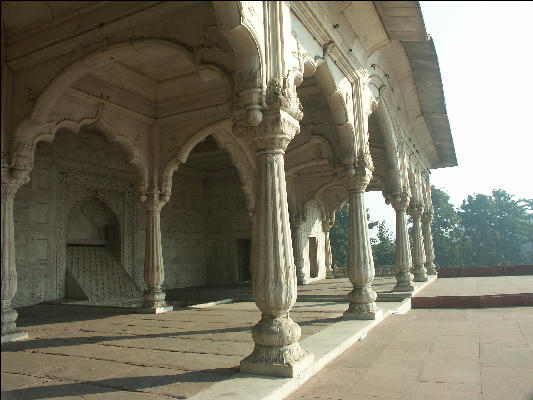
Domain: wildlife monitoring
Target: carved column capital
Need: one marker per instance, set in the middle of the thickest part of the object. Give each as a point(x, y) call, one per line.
point(416, 209)
point(272, 135)
point(400, 200)
point(360, 175)
point(327, 223)
point(12, 180)
point(427, 217)
point(154, 199)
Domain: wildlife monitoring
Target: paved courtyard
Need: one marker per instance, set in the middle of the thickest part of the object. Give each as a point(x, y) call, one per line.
point(435, 354)
point(480, 286)
point(87, 352)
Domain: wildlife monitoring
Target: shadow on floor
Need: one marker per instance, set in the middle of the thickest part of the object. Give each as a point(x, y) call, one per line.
point(57, 314)
point(126, 383)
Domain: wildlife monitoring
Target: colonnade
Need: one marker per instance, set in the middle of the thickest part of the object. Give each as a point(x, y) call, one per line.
point(277, 350)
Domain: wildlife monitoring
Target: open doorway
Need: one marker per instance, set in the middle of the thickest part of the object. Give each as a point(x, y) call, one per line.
point(243, 259)
point(313, 257)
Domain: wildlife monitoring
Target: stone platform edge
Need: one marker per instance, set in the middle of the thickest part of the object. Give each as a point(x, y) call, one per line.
point(481, 301)
point(509, 270)
point(325, 345)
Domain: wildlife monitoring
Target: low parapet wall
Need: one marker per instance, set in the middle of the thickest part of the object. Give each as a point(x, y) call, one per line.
point(485, 271)
point(381, 270)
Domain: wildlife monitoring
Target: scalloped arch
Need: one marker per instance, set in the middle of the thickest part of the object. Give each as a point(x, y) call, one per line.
point(240, 154)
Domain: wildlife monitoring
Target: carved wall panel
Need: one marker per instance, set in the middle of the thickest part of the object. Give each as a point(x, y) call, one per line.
point(115, 193)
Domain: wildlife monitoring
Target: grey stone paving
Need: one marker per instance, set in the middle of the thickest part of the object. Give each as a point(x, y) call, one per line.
point(90, 352)
point(435, 354)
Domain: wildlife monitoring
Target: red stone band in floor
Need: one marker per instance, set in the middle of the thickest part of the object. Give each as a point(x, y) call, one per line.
point(490, 300)
point(485, 271)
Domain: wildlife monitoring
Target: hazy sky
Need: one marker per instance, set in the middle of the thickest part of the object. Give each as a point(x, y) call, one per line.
point(485, 52)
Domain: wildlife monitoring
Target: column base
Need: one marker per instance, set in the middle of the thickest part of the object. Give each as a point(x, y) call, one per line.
point(376, 314)
point(404, 287)
point(154, 310)
point(419, 274)
point(420, 278)
point(431, 270)
point(291, 369)
point(13, 337)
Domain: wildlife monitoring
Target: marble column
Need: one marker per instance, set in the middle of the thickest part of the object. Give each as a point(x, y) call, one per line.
point(10, 186)
point(360, 261)
point(296, 229)
point(416, 210)
point(402, 255)
point(427, 217)
point(154, 271)
point(277, 351)
point(329, 257)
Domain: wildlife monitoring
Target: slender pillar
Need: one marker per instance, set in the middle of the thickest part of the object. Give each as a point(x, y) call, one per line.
point(427, 217)
point(402, 255)
point(10, 186)
point(329, 257)
point(296, 229)
point(277, 351)
point(360, 261)
point(416, 210)
point(154, 271)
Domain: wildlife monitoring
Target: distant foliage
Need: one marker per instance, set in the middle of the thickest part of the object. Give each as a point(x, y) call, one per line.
point(383, 246)
point(485, 230)
point(338, 236)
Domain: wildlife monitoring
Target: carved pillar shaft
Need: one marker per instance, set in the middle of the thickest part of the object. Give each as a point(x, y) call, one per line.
point(402, 255)
point(154, 271)
point(9, 269)
point(329, 256)
point(419, 271)
point(360, 261)
point(277, 350)
point(428, 243)
point(296, 229)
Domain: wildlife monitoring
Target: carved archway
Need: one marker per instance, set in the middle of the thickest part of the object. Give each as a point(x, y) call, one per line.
point(239, 152)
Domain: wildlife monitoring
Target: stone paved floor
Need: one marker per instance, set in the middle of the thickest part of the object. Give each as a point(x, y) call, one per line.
point(473, 286)
point(435, 354)
point(111, 353)
point(323, 289)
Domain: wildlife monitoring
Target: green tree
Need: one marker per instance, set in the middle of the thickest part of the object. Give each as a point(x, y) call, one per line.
point(383, 246)
point(451, 246)
point(338, 236)
point(499, 227)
